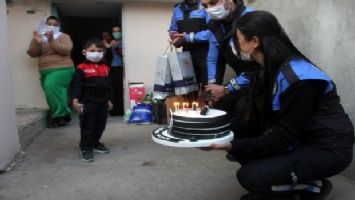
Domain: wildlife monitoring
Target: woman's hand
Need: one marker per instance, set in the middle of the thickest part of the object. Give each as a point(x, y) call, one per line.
point(37, 37)
point(115, 43)
point(76, 105)
point(106, 44)
point(49, 35)
point(217, 91)
point(226, 147)
point(109, 105)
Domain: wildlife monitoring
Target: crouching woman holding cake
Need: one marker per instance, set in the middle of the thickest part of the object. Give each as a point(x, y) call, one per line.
point(291, 133)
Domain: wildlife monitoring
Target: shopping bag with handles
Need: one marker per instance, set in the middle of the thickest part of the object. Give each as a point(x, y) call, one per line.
point(163, 83)
point(182, 72)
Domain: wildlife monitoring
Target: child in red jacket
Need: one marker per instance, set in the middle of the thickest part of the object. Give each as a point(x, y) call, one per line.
point(92, 96)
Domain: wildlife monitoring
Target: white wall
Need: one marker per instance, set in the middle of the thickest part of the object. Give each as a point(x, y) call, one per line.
point(9, 141)
point(145, 35)
point(28, 92)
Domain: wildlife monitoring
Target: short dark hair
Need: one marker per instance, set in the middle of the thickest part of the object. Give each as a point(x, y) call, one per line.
point(93, 40)
point(53, 17)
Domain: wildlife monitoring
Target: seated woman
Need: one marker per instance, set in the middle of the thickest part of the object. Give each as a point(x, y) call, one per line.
point(52, 48)
point(291, 132)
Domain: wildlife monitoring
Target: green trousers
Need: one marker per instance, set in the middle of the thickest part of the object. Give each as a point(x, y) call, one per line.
point(55, 83)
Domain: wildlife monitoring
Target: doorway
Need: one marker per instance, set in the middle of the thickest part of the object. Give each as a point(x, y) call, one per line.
point(82, 21)
point(82, 28)
point(90, 19)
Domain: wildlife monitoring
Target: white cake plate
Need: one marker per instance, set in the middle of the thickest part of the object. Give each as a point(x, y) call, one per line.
point(162, 136)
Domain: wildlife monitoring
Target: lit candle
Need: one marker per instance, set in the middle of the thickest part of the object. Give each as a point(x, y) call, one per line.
point(184, 105)
point(194, 105)
point(197, 109)
point(176, 104)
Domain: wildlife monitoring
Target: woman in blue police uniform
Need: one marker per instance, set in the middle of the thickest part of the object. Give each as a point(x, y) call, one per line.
point(291, 133)
point(188, 29)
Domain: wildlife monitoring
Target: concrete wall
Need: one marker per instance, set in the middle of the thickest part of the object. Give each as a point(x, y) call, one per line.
point(325, 31)
point(9, 142)
point(28, 92)
point(145, 35)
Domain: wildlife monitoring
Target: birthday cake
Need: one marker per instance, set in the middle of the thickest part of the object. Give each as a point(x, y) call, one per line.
point(189, 128)
point(192, 125)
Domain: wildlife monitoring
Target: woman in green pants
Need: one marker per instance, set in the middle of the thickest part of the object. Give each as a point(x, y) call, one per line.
point(52, 48)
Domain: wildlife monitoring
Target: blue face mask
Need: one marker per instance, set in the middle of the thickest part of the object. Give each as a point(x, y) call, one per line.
point(117, 35)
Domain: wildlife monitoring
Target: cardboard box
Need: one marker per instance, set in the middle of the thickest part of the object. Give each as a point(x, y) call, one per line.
point(136, 93)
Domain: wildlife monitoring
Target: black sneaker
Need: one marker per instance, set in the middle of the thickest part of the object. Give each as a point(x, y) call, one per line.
point(101, 148)
point(325, 190)
point(87, 156)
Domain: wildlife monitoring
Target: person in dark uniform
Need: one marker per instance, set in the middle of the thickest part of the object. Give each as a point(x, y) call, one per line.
point(291, 132)
point(224, 14)
point(92, 96)
point(188, 29)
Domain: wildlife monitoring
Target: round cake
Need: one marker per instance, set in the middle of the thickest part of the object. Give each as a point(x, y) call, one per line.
point(188, 128)
point(190, 124)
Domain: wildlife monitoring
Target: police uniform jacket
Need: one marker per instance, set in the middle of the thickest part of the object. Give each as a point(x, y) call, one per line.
point(306, 110)
point(220, 53)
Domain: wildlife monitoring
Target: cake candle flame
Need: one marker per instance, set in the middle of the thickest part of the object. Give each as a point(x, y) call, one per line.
point(176, 105)
point(194, 105)
point(184, 105)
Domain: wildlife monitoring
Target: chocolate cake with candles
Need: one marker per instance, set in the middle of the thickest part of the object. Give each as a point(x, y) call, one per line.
point(194, 127)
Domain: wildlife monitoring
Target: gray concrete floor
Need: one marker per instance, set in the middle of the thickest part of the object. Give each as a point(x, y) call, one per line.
point(136, 168)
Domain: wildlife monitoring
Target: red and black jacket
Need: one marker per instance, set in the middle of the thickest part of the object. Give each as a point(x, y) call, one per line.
point(91, 83)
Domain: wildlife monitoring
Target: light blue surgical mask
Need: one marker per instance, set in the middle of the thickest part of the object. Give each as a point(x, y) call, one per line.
point(117, 35)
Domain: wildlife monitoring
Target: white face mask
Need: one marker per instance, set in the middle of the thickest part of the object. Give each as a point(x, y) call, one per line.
point(55, 29)
point(94, 56)
point(246, 56)
point(241, 55)
point(218, 12)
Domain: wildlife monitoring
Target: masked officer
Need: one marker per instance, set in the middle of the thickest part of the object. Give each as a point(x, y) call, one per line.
point(224, 14)
point(188, 29)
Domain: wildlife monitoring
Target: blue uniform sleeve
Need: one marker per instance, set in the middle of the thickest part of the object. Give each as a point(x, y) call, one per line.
point(201, 36)
point(173, 24)
point(212, 57)
point(239, 82)
point(198, 37)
